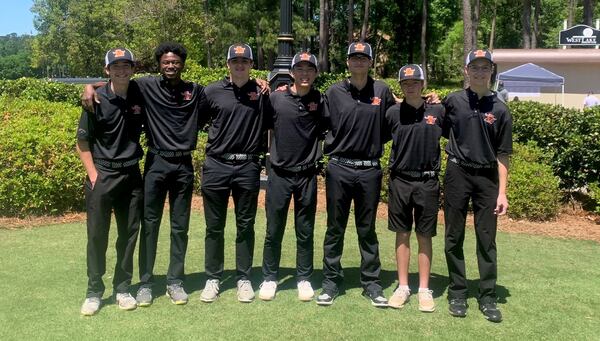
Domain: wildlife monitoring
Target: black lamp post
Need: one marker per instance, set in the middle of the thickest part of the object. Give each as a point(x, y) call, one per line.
point(281, 68)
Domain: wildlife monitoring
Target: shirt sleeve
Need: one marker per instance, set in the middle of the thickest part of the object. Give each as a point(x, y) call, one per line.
point(446, 123)
point(85, 128)
point(202, 108)
point(504, 138)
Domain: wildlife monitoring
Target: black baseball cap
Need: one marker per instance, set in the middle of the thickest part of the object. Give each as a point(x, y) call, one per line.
point(114, 55)
point(479, 54)
point(239, 51)
point(411, 71)
point(304, 57)
point(360, 48)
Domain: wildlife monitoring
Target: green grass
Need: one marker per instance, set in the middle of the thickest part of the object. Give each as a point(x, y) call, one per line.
point(548, 290)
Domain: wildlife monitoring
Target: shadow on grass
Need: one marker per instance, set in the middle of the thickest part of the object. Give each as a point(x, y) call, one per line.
point(287, 281)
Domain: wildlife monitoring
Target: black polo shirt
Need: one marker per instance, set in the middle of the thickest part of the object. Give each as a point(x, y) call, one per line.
point(113, 129)
point(297, 123)
point(172, 113)
point(416, 136)
point(356, 119)
point(237, 117)
point(477, 129)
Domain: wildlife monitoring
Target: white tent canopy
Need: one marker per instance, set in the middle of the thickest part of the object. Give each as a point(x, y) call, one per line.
point(531, 76)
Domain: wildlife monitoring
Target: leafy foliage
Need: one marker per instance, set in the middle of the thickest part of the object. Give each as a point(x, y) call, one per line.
point(39, 173)
point(571, 136)
point(37, 89)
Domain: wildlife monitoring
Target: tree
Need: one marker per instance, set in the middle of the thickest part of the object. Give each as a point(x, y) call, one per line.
point(424, 39)
point(323, 35)
point(467, 27)
point(365, 24)
point(350, 21)
point(588, 12)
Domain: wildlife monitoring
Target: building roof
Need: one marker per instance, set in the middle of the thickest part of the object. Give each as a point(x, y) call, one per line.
point(554, 56)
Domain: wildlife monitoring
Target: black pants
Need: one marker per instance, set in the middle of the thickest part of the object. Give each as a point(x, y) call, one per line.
point(480, 185)
point(241, 179)
point(281, 186)
point(174, 176)
point(119, 190)
point(344, 184)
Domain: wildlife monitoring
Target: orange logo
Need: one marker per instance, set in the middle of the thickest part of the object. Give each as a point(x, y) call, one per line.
point(253, 96)
point(409, 71)
point(359, 47)
point(430, 119)
point(312, 106)
point(136, 109)
point(187, 96)
point(305, 56)
point(119, 53)
point(489, 118)
point(375, 101)
point(480, 53)
point(239, 50)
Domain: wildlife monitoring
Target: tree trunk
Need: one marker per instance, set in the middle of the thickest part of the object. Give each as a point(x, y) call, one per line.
point(475, 23)
point(260, 56)
point(323, 35)
point(424, 41)
point(208, 44)
point(588, 12)
point(350, 21)
point(306, 42)
point(365, 24)
point(571, 12)
point(493, 27)
point(526, 23)
point(467, 27)
point(536, 24)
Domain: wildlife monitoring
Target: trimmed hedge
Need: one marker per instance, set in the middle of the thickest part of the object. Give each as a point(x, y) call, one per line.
point(571, 136)
point(40, 89)
point(40, 171)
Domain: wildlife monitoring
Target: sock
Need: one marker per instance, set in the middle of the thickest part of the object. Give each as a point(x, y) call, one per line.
point(423, 289)
point(404, 287)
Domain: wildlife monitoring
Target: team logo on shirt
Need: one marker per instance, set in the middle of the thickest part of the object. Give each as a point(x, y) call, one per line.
point(253, 96)
point(375, 101)
point(312, 106)
point(489, 118)
point(430, 119)
point(187, 95)
point(136, 109)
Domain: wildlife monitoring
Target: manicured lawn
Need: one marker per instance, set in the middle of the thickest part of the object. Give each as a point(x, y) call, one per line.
point(548, 288)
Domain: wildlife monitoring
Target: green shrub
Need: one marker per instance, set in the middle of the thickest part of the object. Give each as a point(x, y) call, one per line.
point(571, 136)
point(40, 171)
point(594, 193)
point(533, 189)
point(39, 89)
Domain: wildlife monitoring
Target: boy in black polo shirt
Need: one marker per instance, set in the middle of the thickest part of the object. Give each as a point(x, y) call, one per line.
point(295, 150)
point(108, 145)
point(354, 112)
point(478, 126)
point(414, 187)
point(235, 106)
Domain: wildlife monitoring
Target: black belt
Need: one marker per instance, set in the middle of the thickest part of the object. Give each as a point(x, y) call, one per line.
point(355, 162)
point(297, 169)
point(473, 165)
point(169, 153)
point(116, 164)
point(417, 174)
point(238, 157)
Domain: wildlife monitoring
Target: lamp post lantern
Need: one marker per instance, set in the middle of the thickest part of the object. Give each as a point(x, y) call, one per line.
point(281, 68)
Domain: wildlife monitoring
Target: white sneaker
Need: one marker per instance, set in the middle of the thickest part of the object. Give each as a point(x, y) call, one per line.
point(210, 293)
point(399, 298)
point(245, 293)
point(90, 306)
point(267, 290)
point(305, 291)
point(125, 301)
